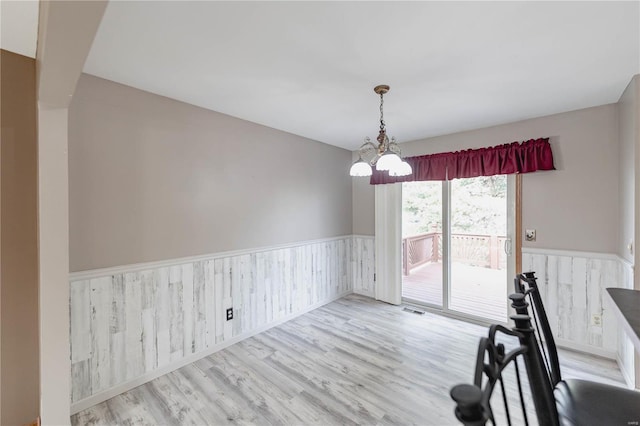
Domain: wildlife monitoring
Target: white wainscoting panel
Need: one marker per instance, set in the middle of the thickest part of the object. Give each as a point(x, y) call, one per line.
point(130, 326)
point(572, 286)
point(626, 349)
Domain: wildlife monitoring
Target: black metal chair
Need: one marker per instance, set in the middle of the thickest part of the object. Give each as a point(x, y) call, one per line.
point(578, 402)
point(474, 402)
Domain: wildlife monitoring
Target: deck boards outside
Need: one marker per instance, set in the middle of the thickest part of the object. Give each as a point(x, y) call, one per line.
point(475, 290)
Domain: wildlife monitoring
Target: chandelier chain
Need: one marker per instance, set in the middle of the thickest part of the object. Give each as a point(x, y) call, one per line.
point(381, 111)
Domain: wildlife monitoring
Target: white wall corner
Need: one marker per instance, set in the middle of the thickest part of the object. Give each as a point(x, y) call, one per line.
point(53, 242)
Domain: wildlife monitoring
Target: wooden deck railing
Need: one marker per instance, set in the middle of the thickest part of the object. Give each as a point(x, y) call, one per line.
point(476, 250)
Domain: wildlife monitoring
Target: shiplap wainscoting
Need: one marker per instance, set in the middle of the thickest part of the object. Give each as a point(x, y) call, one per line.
point(626, 350)
point(572, 286)
point(133, 323)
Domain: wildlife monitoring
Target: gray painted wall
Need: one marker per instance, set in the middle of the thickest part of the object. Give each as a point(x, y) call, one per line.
point(628, 110)
point(629, 113)
point(574, 207)
point(363, 205)
point(151, 178)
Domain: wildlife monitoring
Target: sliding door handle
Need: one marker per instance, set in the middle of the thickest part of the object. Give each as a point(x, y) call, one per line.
point(507, 246)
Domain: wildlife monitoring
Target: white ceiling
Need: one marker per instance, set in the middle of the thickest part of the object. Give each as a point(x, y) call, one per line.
point(19, 26)
point(309, 68)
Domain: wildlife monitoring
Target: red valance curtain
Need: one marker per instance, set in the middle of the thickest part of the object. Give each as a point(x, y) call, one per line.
point(516, 157)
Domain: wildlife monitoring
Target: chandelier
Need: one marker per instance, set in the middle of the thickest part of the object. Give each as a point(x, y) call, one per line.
point(384, 156)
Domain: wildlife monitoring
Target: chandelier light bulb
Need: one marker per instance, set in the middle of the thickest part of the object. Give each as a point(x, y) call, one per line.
point(388, 161)
point(360, 168)
point(402, 169)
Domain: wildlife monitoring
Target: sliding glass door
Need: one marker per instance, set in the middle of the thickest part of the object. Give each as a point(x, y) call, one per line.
point(422, 254)
point(478, 279)
point(456, 245)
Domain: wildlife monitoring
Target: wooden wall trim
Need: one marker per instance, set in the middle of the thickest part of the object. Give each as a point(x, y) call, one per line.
point(518, 218)
point(19, 331)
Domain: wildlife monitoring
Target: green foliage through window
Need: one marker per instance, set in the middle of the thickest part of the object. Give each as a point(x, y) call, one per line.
point(478, 206)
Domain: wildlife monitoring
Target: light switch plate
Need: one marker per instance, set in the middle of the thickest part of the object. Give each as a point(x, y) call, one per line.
point(530, 235)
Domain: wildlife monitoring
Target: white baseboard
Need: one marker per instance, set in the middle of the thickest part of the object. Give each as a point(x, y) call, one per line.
point(627, 375)
point(604, 353)
point(102, 396)
point(367, 293)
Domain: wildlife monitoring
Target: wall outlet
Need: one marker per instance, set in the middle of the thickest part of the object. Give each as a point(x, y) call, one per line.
point(530, 235)
point(229, 314)
point(596, 319)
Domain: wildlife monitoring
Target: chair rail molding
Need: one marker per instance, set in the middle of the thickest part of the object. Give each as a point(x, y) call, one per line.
point(133, 267)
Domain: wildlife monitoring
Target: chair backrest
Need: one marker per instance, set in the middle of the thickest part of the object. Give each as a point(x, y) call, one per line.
point(473, 401)
point(527, 285)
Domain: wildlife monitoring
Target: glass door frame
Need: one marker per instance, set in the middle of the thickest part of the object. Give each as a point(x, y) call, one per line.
point(514, 259)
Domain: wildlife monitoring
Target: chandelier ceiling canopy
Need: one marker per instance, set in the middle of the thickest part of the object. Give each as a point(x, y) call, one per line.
point(386, 155)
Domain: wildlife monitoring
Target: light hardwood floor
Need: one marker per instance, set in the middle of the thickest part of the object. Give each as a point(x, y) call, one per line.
point(353, 361)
